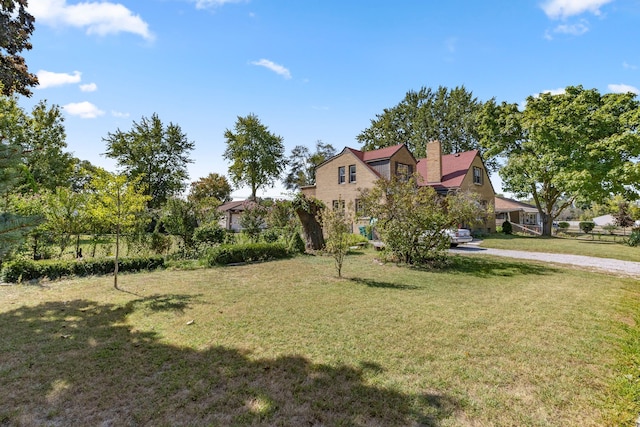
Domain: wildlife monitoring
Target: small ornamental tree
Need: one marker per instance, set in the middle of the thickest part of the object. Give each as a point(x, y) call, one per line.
point(410, 219)
point(336, 224)
point(622, 217)
point(252, 221)
point(507, 228)
point(117, 204)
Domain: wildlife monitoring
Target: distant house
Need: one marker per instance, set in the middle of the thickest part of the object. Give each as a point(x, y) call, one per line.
point(517, 212)
point(231, 212)
point(341, 178)
point(604, 220)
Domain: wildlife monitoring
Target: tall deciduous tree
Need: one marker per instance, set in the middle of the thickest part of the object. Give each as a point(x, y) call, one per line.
point(256, 155)
point(118, 204)
point(447, 115)
point(578, 145)
point(303, 163)
point(16, 26)
point(48, 165)
point(13, 226)
point(154, 154)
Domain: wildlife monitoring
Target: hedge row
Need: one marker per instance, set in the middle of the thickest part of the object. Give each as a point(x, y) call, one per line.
point(21, 270)
point(251, 252)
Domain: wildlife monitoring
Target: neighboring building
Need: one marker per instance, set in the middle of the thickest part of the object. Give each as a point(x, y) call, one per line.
point(341, 178)
point(231, 212)
point(604, 220)
point(518, 213)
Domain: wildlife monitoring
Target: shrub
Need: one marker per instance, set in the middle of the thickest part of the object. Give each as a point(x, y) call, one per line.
point(563, 226)
point(587, 226)
point(250, 252)
point(21, 270)
point(270, 235)
point(210, 233)
point(610, 228)
point(296, 244)
point(507, 228)
point(634, 238)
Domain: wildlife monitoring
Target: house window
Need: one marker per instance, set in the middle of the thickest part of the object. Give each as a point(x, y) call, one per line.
point(341, 175)
point(360, 207)
point(352, 173)
point(477, 175)
point(403, 172)
point(338, 205)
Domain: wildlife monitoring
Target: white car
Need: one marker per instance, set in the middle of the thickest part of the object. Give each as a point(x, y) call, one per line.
point(456, 237)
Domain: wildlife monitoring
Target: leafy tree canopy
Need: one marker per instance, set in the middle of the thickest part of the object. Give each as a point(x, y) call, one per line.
point(154, 154)
point(212, 186)
point(303, 163)
point(16, 26)
point(575, 146)
point(256, 155)
point(447, 115)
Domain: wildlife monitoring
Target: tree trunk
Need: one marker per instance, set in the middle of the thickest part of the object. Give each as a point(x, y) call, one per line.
point(115, 268)
point(311, 228)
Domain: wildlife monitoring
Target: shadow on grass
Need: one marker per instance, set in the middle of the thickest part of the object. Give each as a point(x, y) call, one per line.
point(170, 302)
point(488, 267)
point(80, 363)
point(377, 284)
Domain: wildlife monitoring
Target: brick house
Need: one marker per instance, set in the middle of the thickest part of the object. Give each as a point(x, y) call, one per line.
point(341, 178)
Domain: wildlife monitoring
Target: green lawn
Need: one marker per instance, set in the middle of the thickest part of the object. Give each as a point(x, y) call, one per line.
point(488, 342)
point(583, 245)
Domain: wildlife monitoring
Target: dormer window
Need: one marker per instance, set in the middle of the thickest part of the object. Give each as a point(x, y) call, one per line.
point(477, 175)
point(341, 175)
point(352, 173)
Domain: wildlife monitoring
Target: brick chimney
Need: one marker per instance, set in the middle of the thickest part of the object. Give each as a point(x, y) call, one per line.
point(434, 162)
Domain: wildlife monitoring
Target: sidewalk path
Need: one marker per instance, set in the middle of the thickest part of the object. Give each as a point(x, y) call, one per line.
point(627, 268)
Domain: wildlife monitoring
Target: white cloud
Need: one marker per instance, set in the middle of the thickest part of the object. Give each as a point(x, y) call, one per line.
point(100, 18)
point(276, 68)
point(84, 110)
point(558, 91)
point(622, 88)
point(561, 9)
point(574, 29)
point(119, 114)
point(628, 66)
point(89, 87)
point(50, 79)
point(206, 4)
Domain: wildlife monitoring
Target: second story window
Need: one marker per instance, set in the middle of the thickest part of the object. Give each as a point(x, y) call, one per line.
point(352, 173)
point(403, 172)
point(341, 175)
point(477, 175)
point(338, 205)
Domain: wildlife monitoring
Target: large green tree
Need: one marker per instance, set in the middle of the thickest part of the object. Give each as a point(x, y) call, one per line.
point(303, 163)
point(48, 165)
point(447, 115)
point(13, 226)
point(212, 186)
point(16, 26)
point(256, 155)
point(578, 145)
point(153, 154)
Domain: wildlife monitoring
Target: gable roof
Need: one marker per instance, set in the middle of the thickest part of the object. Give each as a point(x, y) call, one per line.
point(381, 154)
point(454, 169)
point(236, 205)
point(504, 204)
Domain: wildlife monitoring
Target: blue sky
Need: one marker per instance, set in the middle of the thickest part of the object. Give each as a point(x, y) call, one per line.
point(311, 70)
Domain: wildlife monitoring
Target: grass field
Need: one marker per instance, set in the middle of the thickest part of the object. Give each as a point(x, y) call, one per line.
point(583, 245)
point(487, 342)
